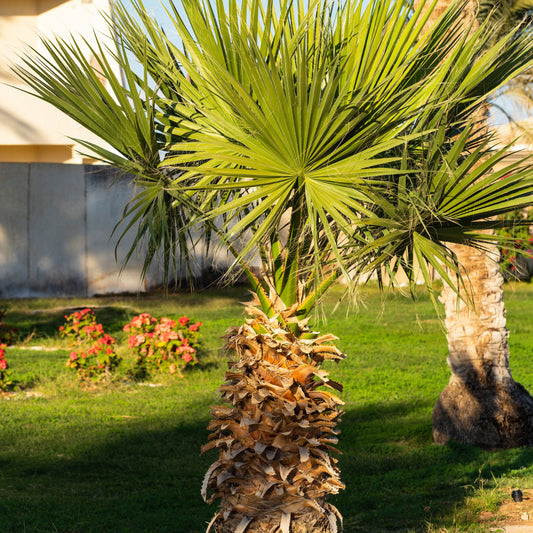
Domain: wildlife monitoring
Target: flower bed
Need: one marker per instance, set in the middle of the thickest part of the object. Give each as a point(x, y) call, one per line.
point(163, 345)
point(94, 357)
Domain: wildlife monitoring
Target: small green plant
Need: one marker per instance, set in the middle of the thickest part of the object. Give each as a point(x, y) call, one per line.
point(94, 357)
point(483, 496)
point(523, 241)
point(5, 375)
point(7, 333)
point(163, 345)
point(79, 327)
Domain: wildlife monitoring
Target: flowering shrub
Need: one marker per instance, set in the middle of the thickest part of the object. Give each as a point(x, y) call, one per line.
point(163, 345)
point(523, 243)
point(94, 357)
point(5, 375)
point(80, 327)
point(7, 334)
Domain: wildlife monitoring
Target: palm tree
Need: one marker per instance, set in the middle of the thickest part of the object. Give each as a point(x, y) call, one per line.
point(326, 139)
point(482, 405)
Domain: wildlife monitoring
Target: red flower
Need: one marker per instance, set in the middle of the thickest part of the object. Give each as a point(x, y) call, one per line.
point(106, 339)
point(167, 323)
point(3, 364)
point(183, 320)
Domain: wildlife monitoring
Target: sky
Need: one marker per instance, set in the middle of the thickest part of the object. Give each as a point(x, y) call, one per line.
point(155, 8)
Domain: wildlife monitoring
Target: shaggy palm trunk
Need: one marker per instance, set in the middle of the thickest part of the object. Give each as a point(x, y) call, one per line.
point(482, 404)
point(274, 471)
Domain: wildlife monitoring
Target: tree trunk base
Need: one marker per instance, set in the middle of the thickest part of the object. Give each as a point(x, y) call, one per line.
point(311, 522)
point(496, 416)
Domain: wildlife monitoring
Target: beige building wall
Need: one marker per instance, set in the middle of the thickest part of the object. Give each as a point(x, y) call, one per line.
point(31, 130)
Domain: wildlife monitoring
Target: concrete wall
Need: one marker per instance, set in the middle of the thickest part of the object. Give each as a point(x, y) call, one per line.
point(55, 232)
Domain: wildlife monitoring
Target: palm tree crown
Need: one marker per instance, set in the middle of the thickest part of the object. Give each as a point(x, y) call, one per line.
point(299, 122)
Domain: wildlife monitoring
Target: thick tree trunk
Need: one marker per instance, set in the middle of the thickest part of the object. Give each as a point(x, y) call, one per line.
point(482, 404)
point(275, 434)
point(308, 522)
point(468, 13)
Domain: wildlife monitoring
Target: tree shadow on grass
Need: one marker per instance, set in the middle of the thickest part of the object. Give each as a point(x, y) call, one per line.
point(397, 479)
point(132, 479)
point(145, 481)
point(45, 323)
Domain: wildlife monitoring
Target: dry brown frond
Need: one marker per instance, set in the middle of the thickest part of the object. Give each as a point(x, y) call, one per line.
point(274, 471)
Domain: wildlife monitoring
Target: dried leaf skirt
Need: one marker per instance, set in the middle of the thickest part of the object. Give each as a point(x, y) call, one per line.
point(274, 471)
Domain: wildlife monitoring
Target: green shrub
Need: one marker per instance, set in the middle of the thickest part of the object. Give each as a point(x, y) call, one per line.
point(5, 376)
point(7, 333)
point(163, 345)
point(94, 357)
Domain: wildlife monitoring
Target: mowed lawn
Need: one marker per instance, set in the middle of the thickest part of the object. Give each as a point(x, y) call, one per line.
point(125, 457)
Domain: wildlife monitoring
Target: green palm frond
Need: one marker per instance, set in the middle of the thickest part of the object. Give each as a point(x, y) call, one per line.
point(324, 139)
point(288, 138)
point(330, 139)
point(506, 15)
point(120, 108)
point(452, 199)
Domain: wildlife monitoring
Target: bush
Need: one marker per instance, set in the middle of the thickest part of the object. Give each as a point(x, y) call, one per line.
point(5, 375)
point(164, 345)
point(94, 358)
point(517, 264)
point(7, 333)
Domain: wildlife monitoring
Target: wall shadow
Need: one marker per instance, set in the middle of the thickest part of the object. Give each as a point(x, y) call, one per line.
point(46, 322)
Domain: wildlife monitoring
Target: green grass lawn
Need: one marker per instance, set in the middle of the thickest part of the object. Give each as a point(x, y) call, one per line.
point(125, 457)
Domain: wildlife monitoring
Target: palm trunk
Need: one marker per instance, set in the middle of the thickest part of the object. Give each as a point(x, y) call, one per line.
point(274, 470)
point(482, 405)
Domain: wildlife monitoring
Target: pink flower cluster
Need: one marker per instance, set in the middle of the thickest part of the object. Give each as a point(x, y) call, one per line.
point(5, 380)
point(142, 321)
point(95, 357)
point(163, 344)
point(81, 326)
point(3, 362)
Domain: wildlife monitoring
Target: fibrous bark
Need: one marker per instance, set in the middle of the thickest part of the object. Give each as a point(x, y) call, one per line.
point(482, 405)
point(274, 471)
